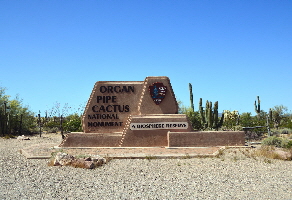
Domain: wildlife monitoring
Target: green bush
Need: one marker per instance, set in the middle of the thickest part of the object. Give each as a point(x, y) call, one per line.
point(278, 132)
point(286, 131)
point(273, 140)
point(247, 120)
point(193, 116)
point(286, 143)
point(15, 118)
point(8, 136)
point(73, 123)
point(278, 142)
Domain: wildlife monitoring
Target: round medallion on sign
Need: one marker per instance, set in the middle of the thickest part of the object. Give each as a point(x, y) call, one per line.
point(157, 91)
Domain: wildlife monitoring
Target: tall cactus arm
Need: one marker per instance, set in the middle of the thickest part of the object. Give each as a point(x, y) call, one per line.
point(202, 112)
point(215, 118)
point(257, 106)
point(191, 97)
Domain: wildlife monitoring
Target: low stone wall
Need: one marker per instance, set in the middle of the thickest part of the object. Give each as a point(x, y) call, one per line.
point(155, 137)
point(206, 138)
point(91, 140)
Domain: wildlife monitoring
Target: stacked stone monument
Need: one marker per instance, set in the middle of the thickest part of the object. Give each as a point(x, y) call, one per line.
point(137, 114)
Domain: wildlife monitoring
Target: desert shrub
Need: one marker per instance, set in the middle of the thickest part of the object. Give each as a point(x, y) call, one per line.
point(272, 141)
point(277, 142)
point(8, 136)
point(287, 123)
point(254, 133)
point(73, 123)
point(275, 132)
point(286, 143)
point(247, 120)
point(193, 116)
point(278, 132)
point(52, 130)
point(286, 131)
point(280, 116)
point(267, 152)
point(15, 118)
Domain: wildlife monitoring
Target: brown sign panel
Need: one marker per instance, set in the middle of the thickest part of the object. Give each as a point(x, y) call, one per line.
point(112, 102)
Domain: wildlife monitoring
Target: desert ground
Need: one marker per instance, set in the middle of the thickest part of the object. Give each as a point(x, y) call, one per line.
point(234, 174)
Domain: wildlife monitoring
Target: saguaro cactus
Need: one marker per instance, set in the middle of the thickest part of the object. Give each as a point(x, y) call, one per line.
point(270, 114)
point(209, 116)
point(191, 97)
point(257, 106)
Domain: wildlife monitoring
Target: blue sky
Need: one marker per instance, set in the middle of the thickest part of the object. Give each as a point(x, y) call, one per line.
point(231, 51)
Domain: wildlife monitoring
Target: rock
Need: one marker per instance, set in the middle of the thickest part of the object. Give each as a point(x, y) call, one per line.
point(23, 138)
point(284, 155)
point(98, 160)
point(88, 159)
point(82, 163)
point(63, 159)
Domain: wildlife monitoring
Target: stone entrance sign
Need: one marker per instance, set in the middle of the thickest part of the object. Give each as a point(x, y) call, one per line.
point(139, 114)
point(112, 102)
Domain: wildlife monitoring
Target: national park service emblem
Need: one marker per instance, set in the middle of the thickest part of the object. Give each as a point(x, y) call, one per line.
point(157, 91)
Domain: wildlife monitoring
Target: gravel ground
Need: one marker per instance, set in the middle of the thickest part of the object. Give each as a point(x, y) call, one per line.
point(232, 176)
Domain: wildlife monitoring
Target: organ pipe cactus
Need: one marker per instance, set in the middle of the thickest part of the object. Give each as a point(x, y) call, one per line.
point(191, 97)
point(215, 113)
point(201, 109)
point(209, 116)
